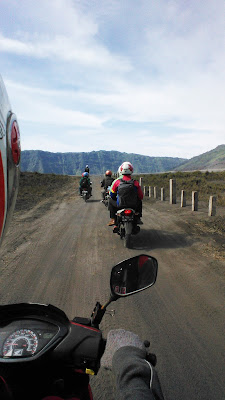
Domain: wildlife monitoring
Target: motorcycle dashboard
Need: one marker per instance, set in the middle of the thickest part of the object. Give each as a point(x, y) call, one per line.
point(24, 339)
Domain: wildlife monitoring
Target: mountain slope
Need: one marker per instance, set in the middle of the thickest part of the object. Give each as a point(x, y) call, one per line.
point(211, 160)
point(98, 161)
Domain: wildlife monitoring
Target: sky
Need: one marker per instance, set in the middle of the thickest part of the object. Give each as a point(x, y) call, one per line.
point(137, 76)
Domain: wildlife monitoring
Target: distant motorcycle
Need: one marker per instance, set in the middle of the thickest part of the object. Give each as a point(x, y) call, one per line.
point(107, 196)
point(85, 194)
point(127, 225)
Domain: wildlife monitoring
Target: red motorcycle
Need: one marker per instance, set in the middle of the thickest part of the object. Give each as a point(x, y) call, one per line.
point(44, 355)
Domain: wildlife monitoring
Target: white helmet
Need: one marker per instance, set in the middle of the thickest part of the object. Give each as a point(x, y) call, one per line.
point(126, 168)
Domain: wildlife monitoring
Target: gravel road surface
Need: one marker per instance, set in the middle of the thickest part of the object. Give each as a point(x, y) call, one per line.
point(63, 253)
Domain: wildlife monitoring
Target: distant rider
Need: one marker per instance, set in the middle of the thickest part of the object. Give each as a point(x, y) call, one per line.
point(87, 169)
point(85, 183)
point(126, 170)
point(106, 182)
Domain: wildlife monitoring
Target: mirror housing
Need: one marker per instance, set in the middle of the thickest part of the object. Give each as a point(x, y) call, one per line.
point(133, 275)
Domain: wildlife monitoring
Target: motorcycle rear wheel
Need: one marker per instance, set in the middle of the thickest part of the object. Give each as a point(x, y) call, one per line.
point(127, 241)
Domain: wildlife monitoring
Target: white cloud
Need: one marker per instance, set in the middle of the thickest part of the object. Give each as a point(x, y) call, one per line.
point(84, 66)
point(65, 49)
point(42, 111)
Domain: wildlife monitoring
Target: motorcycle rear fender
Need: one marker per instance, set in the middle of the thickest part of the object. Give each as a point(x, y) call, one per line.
point(128, 227)
point(121, 212)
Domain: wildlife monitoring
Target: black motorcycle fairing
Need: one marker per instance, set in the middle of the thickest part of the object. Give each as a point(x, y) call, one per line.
point(63, 368)
point(27, 321)
point(82, 348)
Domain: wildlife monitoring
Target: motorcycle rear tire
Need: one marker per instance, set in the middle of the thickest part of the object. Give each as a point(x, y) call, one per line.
point(127, 241)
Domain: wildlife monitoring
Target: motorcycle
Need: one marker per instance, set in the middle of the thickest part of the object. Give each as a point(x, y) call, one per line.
point(86, 194)
point(107, 196)
point(43, 353)
point(127, 225)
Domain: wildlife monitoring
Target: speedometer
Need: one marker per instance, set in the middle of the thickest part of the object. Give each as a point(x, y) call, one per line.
point(21, 343)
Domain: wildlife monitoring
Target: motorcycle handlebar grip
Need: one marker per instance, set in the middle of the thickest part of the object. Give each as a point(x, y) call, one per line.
point(152, 359)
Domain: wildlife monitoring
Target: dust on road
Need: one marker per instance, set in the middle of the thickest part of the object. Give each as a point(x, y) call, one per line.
point(61, 252)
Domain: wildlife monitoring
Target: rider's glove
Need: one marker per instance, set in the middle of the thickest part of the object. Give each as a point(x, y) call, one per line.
point(116, 339)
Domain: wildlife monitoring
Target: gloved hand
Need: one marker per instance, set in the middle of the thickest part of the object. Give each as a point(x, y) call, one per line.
point(116, 339)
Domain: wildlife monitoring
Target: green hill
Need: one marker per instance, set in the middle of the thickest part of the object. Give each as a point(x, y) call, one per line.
point(98, 161)
point(212, 160)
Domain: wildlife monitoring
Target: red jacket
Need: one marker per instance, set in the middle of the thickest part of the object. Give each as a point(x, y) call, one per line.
point(114, 187)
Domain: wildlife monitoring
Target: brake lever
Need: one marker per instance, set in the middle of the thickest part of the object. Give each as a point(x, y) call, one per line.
point(151, 357)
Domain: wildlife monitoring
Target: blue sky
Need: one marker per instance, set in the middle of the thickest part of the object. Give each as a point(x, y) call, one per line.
point(141, 76)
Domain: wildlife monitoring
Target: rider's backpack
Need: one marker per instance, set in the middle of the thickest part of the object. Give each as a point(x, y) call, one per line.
point(84, 183)
point(108, 181)
point(127, 193)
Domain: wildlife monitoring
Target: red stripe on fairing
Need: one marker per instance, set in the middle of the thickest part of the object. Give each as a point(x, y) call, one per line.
point(2, 195)
point(85, 326)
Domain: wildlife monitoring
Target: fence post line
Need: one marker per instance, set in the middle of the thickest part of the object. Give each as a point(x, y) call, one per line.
point(150, 191)
point(145, 190)
point(162, 194)
point(212, 206)
point(155, 192)
point(141, 183)
point(194, 200)
point(183, 198)
point(173, 191)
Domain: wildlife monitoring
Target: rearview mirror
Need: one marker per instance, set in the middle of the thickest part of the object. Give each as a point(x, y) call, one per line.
point(133, 275)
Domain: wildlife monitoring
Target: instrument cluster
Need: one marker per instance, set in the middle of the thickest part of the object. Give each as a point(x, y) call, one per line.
point(25, 338)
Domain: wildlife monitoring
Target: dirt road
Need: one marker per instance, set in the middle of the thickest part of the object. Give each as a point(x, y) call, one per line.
point(63, 253)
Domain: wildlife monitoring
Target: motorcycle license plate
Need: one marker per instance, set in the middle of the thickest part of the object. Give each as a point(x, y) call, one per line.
point(127, 219)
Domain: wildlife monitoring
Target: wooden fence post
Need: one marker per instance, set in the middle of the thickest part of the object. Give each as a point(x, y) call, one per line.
point(173, 191)
point(162, 194)
point(155, 192)
point(194, 201)
point(141, 183)
point(183, 198)
point(145, 191)
point(150, 191)
point(212, 206)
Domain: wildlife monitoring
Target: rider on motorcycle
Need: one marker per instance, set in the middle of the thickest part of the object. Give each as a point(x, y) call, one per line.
point(125, 353)
point(126, 170)
point(85, 183)
point(106, 182)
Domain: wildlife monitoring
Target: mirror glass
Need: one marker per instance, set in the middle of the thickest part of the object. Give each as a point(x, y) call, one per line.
point(133, 275)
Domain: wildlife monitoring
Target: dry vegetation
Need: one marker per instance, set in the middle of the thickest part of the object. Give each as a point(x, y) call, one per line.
point(34, 188)
point(206, 183)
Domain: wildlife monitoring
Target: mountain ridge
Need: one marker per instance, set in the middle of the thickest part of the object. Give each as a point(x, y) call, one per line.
point(211, 160)
point(73, 163)
point(99, 161)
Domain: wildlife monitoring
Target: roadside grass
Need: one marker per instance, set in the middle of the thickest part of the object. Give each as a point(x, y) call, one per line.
point(205, 183)
point(35, 187)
